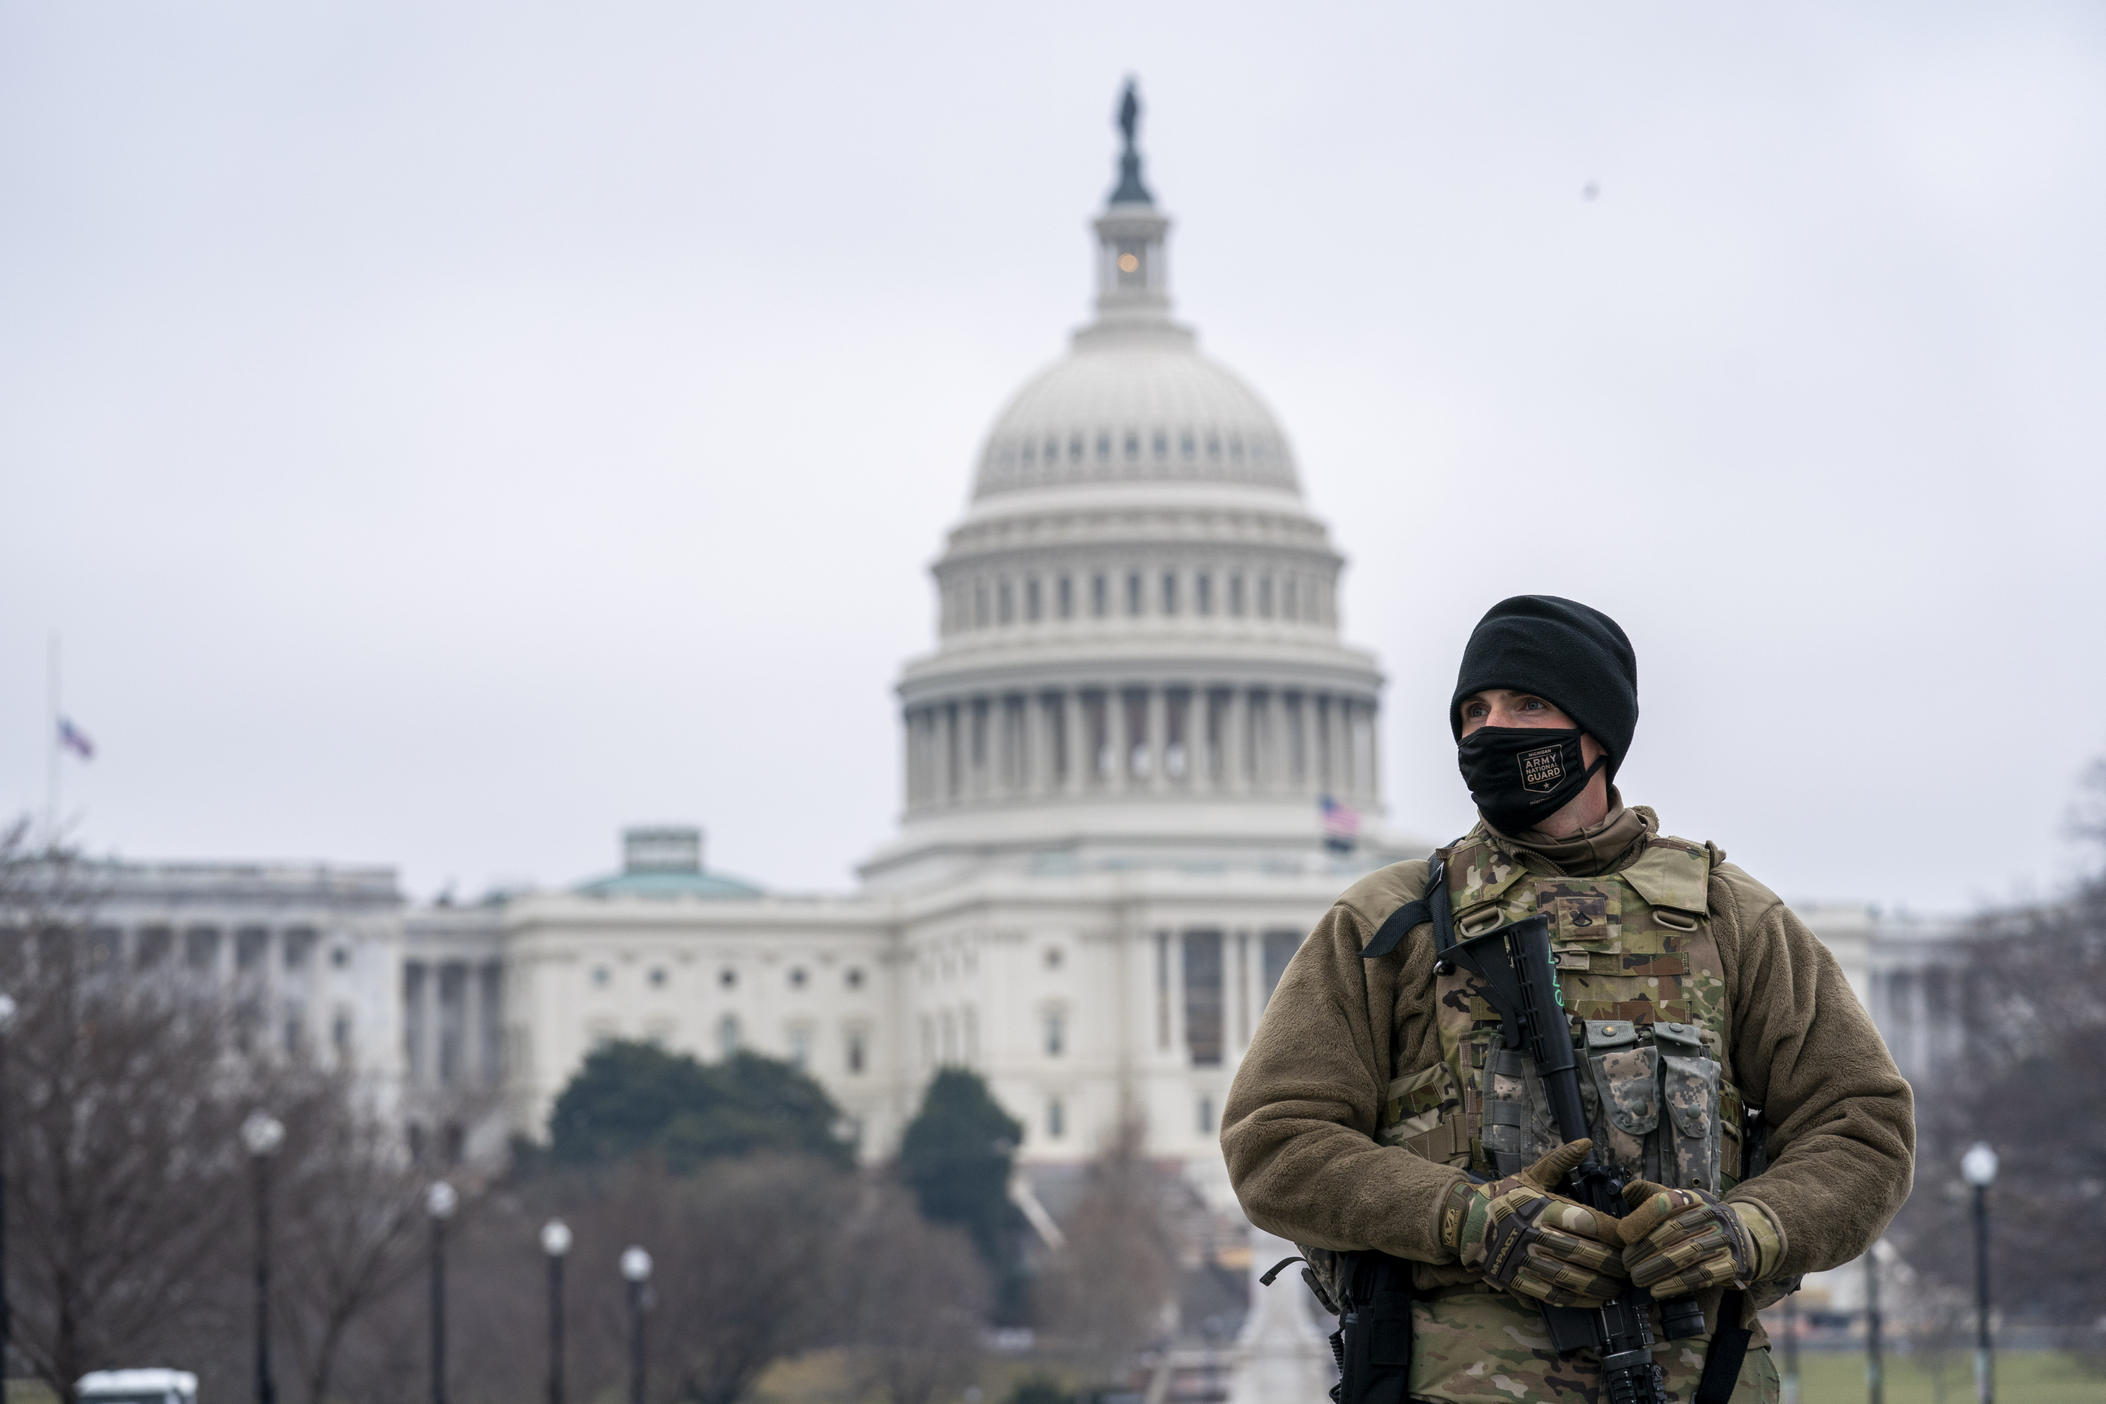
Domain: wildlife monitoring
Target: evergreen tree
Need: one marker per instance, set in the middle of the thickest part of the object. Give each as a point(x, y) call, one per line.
point(956, 1157)
point(630, 1098)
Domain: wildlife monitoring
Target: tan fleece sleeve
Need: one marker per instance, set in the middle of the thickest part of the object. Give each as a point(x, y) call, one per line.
point(1298, 1130)
point(1842, 1120)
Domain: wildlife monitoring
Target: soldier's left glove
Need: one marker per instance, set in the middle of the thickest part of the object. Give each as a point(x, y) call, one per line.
point(1533, 1241)
point(1679, 1241)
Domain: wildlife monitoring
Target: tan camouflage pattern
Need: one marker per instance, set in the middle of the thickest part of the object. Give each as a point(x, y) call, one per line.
point(1483, 1347)
point(1525, 1237)
point(1645, 989)
point(1680, 1241)
point(1644, 986)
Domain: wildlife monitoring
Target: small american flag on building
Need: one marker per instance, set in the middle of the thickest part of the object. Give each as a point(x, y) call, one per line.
point(1341, 824)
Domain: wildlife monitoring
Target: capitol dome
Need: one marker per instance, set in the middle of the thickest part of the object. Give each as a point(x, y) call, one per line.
point(1138, 658)
point(1135, 407)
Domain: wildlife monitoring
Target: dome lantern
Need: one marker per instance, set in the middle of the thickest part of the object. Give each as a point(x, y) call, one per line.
point(1133, 276)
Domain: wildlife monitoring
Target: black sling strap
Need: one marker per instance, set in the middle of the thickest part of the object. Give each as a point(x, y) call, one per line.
point(1729, 1347)
point(1432, 906)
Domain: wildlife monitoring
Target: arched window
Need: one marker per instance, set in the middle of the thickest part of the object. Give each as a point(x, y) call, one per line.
point(728, 1035)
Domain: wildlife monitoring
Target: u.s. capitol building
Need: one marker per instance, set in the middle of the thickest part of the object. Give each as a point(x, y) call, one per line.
point(1112, 760)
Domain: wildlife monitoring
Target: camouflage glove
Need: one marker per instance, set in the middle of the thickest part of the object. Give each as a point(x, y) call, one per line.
point(1679, 1241)
point(1532, 1241)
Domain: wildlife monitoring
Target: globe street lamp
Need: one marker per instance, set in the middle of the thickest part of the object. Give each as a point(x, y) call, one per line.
point(7, 1019)
point(555, 1242)
point(261, 1135)
point(439, 1202)
point(636, 1266)
point(1978, 1168)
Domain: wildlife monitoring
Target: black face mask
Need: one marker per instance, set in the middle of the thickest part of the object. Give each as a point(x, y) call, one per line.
point(1521, 775)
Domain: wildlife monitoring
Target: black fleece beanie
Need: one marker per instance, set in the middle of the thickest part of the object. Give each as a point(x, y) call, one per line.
point(1563, 652)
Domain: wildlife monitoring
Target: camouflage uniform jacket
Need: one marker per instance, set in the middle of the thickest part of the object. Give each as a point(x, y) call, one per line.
point(1361, 1098)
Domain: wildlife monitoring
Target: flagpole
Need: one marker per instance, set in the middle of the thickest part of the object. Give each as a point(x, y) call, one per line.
point(51, 740)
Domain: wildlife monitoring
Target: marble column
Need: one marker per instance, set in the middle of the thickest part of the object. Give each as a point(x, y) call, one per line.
point(947, 746)
point(1235, 742)
point(1158, 708)
point(1078, 763)
point(1119, 744)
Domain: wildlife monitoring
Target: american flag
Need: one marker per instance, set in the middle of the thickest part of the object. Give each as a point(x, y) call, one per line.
point(1341, 824)
point(75, 740)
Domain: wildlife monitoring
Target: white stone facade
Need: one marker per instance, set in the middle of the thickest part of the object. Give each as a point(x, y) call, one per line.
point(1112, 765)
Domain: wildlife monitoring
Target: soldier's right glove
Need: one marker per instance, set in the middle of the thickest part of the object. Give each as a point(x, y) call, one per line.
point(1533, 1241)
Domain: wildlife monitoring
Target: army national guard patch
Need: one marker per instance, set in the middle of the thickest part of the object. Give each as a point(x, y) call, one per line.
point(1541, 769)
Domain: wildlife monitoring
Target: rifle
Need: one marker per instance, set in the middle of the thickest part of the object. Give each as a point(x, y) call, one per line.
point(1521, 984)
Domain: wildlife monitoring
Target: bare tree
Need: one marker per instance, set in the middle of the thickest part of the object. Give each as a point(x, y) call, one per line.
point(122, 1161)
point(746, 1261)
point(917, 1302)
point(1108, 1290)
point(2033, 1015)
point(130, 1197)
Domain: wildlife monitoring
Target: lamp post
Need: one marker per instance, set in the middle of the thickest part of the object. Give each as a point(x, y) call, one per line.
point(1875, 1366)
point(439, 1202)
point(1978, 1168)
point(261, 1135)
point(1788, 1387)
point(555, 1242)
point(7, 1019)
point(636, 1266)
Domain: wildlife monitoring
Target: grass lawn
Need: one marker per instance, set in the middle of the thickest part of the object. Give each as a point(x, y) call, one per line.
point(2022, 1377)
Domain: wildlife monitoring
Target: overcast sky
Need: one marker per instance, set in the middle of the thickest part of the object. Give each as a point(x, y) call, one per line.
point(445, 433)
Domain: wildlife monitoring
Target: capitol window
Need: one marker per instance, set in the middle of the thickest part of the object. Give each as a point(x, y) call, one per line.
point(601, 975)
point(854, 977)
point(1287, 598)
point(1056, 1032)
point(1099, 596)
point(1052, 451)
point(1054, 956)
point(853, 1043)
point(657, 977)
point(1031, 599)
point(980, 605)
point(1184, 445)
point(727, 977)
point(1203, 593)
point(1265, 597)
point(1067, 597)
point(1133, 444)
point(1214, 446)
point(1206, 1116)
point(1074, 448)
point(1133, 592)
point(1235, 594)
point(728, 1035)
point(797, 977)
point(1162, 444)
point(1103, 448)
point(1056, 1119)
point(1027, 452)
point(1005, 602)
point(1169, 592)
point(1235, 448)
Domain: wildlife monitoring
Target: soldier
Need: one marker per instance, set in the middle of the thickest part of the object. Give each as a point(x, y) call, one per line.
point(1378, 1110)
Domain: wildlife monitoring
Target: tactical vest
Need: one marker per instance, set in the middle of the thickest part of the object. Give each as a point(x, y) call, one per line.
point(1646, 996)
